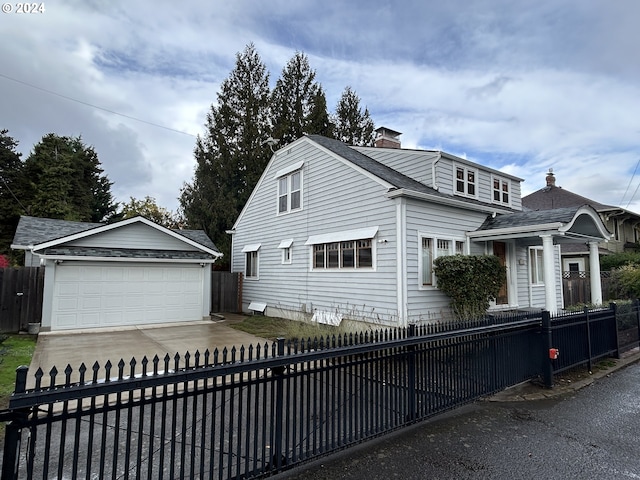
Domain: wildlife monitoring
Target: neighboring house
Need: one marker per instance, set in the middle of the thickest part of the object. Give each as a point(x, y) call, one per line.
point(127, 273)
point(333, 231)
point(624, 224)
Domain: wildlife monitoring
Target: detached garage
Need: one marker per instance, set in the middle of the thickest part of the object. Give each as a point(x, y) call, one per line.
point(127, 273)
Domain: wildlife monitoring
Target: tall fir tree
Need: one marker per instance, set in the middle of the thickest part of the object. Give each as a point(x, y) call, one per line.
point(319, 120)
point(231, 156)
point(12, 187)
point(66, 181)
point(298, 105)
point(352, 125)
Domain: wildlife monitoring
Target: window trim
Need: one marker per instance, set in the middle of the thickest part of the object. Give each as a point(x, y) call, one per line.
point(454, 243)
point(503, 181)
point(539, 268)
point(288, 178)
point(286, 246)
point(339, 246)
point(256, 255)
point(466, 169)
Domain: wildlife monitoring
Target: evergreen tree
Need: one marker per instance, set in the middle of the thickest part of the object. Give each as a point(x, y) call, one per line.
point(319, 121)
point(12, 187)
point(298, 105)
point(352, 125)
point(66, 181)
point(231, 157)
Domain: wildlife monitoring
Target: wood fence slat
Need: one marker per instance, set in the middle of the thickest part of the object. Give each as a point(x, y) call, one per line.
point(17, 311)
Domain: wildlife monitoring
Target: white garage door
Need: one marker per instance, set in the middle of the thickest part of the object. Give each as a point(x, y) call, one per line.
point(104, 295)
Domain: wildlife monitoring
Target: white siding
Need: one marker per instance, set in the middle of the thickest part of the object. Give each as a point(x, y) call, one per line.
point(428, 303)
point(533, 296)
point(413, 164)
point(136, 236)
point(335, 198)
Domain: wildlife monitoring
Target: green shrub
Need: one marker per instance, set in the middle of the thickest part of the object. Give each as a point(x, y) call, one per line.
point(617, 260)
point(470, 281)
point(625, 282)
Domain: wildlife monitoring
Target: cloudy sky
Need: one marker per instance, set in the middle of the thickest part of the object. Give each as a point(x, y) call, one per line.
point(520, 86)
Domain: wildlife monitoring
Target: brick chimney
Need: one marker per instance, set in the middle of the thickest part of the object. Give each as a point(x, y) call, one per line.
point(387, 138)
point(551, 179)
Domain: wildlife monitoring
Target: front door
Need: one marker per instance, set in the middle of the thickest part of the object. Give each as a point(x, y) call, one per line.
point(500, 251)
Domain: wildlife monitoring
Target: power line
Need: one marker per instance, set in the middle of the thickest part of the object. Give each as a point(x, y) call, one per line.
point(95, 106)
point(14, 196)
point(631, 180)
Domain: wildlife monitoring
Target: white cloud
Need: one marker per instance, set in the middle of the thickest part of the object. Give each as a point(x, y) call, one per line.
point(520, 86)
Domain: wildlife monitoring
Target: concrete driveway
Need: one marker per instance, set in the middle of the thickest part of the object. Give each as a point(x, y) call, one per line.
point(75, 347)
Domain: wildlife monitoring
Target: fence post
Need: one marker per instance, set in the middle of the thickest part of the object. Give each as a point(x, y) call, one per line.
point(614, 309)
point(13, 432)
point(588, 325)
point(636, 307)
point(411, 373)
point(547, 341)
point(279, 460)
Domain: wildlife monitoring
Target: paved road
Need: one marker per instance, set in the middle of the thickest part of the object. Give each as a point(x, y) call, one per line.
point(592, 434)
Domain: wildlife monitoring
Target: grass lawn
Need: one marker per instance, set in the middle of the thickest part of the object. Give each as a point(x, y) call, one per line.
point(272, 328)
point(15, 350)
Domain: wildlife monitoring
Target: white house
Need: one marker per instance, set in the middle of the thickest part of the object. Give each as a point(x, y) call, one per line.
point(334, 231)
point(126, 273)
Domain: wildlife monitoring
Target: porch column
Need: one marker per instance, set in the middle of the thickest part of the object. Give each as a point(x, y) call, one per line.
point(551, 304)
point(594, 268)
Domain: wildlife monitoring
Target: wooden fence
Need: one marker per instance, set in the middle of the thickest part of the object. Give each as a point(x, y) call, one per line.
point(577, 288)
point(226, 292)
point(20, 297)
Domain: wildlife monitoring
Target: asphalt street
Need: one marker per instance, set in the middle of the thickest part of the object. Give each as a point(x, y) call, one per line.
point(593, 433)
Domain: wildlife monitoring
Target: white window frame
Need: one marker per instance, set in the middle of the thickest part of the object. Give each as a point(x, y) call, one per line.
point(457, 245)
point(466, 170)
point(252, 251)
point(502, 182)
point(340, 247)
point(287, 251)
point(287, 178)
point(536, 266)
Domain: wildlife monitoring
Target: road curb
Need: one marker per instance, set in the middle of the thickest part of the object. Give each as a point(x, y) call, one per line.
point(532, 390)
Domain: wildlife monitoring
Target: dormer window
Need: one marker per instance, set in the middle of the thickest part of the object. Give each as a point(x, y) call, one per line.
point(466, 181)
point(501, 188)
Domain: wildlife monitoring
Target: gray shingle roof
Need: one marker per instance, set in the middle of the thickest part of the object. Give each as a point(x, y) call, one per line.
point(385, 173)
point(34, 230)
point(126, 253)
point(551, 197)
point(529, 218)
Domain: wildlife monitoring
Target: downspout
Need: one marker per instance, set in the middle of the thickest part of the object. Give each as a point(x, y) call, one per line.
point(434, 183)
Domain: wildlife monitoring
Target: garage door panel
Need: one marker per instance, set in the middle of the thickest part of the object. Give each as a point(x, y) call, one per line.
point(110, 295)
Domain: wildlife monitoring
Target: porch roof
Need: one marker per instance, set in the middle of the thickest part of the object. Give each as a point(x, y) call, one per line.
point(565, 224)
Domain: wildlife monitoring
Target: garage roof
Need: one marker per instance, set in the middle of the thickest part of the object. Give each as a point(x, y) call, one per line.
point(48, 236)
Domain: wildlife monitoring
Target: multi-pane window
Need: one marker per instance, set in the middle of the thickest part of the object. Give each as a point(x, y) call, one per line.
point(466, 181)
point(536, 261)
point(251, 264)
point(290, 192)
point(349, 254)
point(500, 191)
point(432, 248)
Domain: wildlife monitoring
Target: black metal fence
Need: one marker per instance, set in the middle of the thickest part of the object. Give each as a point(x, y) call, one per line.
point(251, 412)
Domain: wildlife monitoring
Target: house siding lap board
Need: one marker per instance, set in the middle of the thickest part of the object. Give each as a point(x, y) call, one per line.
point(333, 194)
point(98, 295)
